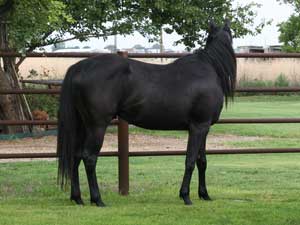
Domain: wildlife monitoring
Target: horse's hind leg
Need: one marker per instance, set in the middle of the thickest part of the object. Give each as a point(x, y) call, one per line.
point(92, 146)
point(196, 133)
point(75, 188)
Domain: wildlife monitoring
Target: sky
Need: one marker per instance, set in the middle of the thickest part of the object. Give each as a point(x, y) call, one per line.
point(270, 9)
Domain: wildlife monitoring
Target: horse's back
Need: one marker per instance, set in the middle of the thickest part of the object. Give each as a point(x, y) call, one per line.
point(148, 95)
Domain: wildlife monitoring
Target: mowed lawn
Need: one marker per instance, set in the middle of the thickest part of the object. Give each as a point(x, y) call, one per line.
point(246, 189)
point(262, 107)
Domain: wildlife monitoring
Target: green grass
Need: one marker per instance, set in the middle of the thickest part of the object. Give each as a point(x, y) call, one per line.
point(246, 189)
point(262, 107)
point(269, 143)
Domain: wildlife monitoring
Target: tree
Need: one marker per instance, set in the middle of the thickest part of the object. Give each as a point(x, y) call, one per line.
point(294, 3)
point(290, 34)
point(27, 25)
point(290, 29)
point(11, 106)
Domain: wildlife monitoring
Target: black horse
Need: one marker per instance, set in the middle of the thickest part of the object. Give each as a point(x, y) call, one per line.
point(187, 94)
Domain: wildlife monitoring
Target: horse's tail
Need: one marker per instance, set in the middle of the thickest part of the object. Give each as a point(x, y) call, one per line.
point(68, 122)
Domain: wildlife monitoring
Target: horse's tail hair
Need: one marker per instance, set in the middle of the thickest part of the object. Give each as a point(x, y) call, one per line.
point(68, 122)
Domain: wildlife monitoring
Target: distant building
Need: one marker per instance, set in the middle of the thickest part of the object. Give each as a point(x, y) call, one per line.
point(146, 50)
point(152, 50)
point(250, 49)
point(82, 50)
point(274, 48)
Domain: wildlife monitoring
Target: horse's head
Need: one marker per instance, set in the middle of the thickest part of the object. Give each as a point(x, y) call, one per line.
point(220, 33)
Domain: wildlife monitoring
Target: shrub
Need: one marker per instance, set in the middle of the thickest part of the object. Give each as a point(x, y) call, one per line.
point(254, 83)
point(47, 103)
point(281, 81)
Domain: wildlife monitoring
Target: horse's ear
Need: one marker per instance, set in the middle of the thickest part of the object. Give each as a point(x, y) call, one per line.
point(227, 24)
point(212, 26)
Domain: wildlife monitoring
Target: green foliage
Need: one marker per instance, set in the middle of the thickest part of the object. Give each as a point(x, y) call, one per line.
point(290, 29)
point(47, 103)
point(294, 3)
point(281, 81)
point(36, 23)
point(32, 22)
point(254, 83)
point(289, 34)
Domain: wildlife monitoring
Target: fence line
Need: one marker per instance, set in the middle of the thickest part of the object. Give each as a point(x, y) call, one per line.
point(123, 149)
point(241, 90)
point(115, 121)
point(137, 55)
point(160, 153)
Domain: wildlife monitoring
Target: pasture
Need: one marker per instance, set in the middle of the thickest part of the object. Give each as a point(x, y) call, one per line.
point(246, 189)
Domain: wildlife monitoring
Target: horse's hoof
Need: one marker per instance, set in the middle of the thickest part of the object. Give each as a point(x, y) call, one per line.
point(186, 199)
point(204, 196)
point(98, 203)
point(78, 201)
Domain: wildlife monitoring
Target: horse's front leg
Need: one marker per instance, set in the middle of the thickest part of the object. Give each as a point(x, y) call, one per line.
point(197, 132)
point(202, 164)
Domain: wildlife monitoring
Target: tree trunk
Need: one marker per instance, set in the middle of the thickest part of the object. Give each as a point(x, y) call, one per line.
point(9, 107)
point(12, 107)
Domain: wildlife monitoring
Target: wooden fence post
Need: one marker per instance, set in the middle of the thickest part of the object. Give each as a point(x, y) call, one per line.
point(123, 150)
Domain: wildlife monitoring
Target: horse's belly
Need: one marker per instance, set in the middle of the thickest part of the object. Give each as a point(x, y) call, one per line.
point(161, 125)
point(157, 120)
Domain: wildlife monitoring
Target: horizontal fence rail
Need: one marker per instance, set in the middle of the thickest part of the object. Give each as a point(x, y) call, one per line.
point(245, 90)
point(160, 153)
point(37, 122)
point(115, 122)
point(59, 83)
point(138, 55)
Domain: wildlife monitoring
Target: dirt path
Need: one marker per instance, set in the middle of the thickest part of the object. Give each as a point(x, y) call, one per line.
point(137, 142)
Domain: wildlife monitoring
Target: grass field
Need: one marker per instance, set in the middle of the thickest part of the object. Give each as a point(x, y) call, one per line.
point(246, 189)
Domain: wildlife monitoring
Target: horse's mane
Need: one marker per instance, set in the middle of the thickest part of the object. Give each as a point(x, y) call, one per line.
point(220, 54)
